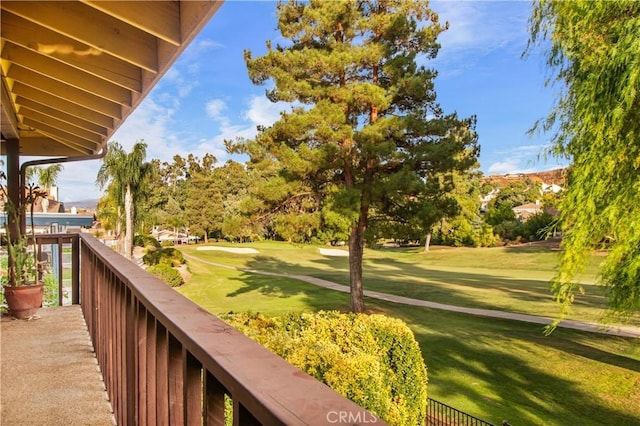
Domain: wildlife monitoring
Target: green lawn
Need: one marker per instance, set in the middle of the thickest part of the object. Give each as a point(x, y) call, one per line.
point(494, 369)
point(514, 279)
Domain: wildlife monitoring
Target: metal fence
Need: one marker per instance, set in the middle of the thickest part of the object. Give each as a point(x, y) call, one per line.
point(440, 414)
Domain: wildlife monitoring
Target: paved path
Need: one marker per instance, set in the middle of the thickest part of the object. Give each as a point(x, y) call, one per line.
point(624, 331)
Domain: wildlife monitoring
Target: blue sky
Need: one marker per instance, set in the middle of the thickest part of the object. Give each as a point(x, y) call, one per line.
point(207, 97)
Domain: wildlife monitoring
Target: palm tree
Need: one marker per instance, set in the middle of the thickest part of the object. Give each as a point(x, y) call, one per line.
point(109, 213)
point(48, 176)
point(126, 173)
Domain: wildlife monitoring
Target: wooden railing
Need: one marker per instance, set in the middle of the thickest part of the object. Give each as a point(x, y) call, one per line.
point(56, 245)
point(166, 361)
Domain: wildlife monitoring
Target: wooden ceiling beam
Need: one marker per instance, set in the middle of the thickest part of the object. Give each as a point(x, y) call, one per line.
point(29, 60)
point(76, 110)
point(60, 135)
point(93, 28)
point(75, 119)
point(72, 71)
point(61, 125)
point(160, 18)
point(8, 117)
point(21, 32)
point(70, 94)
point(33, 143)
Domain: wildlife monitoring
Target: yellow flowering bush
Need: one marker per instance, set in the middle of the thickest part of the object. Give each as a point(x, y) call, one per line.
point(374, 360)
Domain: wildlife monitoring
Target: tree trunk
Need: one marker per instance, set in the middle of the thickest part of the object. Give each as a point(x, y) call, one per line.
point(356, 251)
point(119, 231)
point(427, 242)
point(128, 230)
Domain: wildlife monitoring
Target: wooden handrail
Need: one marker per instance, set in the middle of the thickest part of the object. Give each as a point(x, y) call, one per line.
point(165, 360)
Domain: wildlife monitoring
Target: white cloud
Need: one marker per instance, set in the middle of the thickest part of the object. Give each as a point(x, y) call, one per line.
point(510, 166)
point(260, 112)
point(207, 44)
point(179, 84)
point(154, 122)
point(215, 107)
point(526, 150)
point(477, 28)
point(264, 112)
point(482, 25)
point(150, 122)
point(76, 182)
point(524, 159)
point(197, 50)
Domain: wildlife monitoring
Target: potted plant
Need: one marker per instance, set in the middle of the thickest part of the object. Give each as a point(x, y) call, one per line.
point(24, 292)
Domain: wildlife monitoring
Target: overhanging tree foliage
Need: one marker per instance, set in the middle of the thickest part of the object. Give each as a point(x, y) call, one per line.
point(368, 126)
point(595, 56)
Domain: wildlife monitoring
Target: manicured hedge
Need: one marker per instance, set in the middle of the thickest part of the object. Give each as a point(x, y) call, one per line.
point(373, 360)
point(167, 274)
point(169, 256)
point(145, 241)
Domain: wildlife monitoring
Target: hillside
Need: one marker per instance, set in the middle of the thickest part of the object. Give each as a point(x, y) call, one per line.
point(555, 176)
point(82, 204)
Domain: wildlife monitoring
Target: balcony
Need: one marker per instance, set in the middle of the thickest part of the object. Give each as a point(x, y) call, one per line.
point(162, 358)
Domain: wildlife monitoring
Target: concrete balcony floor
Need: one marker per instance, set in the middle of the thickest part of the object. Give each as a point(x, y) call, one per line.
point(49, 373)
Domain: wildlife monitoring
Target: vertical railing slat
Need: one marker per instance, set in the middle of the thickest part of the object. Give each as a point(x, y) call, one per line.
point(115, 342)
point(176, 382)
point(60, 272)
point(162, 372)
point(242, 416)
point(213, 401)
point(131, 333)
point(192, 390)
point(152, 374)
point(141, 362)
point(121, 340)
point(111, 355)
point(75, 271)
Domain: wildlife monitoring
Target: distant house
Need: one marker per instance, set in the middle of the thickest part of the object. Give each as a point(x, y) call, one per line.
point(175, 237)
point(556, 179)
point(49, 216)
point(550, 188)
point(525, 211)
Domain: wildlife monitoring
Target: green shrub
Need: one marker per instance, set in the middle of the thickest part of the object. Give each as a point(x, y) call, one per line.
point(167, 243)
point(51, 291)
point(145, 240)
point(168, 256)
point(167, 274)
point(538, 226)
point(373, 360)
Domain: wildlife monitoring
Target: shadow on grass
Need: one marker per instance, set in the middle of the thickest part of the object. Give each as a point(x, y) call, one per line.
point(421, 282)
point(494, 369)
point(315, 297)
point(569, 342)
point(480, 361)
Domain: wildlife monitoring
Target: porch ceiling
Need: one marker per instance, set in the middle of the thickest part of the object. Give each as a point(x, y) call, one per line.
point(72, 72)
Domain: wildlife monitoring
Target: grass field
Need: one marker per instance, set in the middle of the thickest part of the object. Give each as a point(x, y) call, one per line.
point(494, 369)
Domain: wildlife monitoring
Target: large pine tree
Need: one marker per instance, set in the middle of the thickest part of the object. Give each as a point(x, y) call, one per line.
point(366, 126)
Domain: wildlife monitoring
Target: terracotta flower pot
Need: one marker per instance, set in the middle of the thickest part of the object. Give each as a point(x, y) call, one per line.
point(24, 301)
